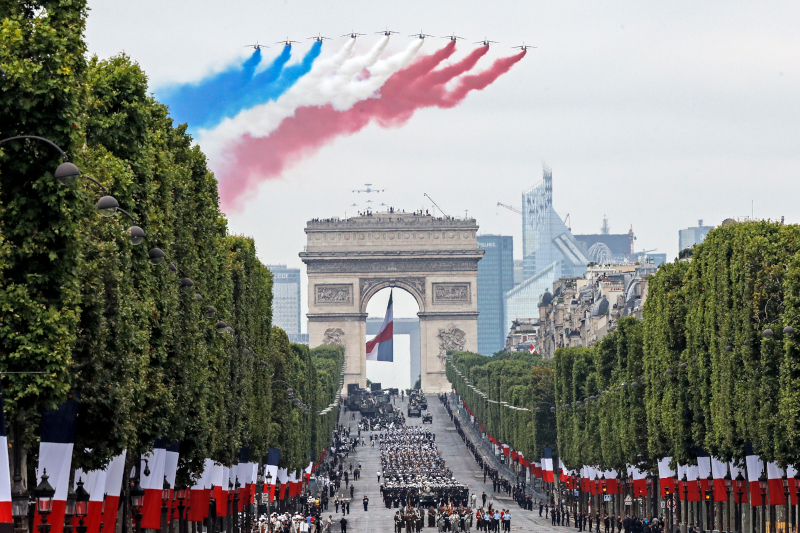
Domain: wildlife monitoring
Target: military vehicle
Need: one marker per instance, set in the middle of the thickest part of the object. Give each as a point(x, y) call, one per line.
point(414, 411)
point(428, 417)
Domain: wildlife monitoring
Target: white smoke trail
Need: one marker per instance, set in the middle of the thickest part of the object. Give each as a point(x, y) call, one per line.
point(334, 80)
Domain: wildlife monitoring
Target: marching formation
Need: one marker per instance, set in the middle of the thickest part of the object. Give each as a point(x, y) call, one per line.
point(414, 472)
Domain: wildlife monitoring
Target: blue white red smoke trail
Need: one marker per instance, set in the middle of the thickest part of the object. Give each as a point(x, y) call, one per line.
point(417, 86)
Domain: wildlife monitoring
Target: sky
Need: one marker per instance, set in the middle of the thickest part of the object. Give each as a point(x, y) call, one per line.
point(654, 115)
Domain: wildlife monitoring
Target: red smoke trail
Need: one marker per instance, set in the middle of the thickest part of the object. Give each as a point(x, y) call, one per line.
point(414, 87)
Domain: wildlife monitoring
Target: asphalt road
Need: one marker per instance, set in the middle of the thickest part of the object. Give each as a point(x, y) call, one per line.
point(380, 519)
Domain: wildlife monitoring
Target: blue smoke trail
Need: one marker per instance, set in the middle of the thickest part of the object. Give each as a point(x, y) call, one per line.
point(208, 102)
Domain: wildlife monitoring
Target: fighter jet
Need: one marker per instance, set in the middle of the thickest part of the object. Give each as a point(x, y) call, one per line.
point(320, 38)
point(452, 37)
point(353, 205)
point(420, 35)
point(387, 33)
point(523, 46)
point(287, 42)
point(368, 189)
point(353, 35)
point(486, 42)
point(256, 46)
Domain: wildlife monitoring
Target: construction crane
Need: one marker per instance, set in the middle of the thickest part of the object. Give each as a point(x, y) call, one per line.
point(434, 203)
point(510, 208)
point(567, 222)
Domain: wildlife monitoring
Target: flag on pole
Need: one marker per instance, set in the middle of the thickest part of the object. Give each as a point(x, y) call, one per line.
point(273, 457)
point(547, 465)
point(114, 473)
point(381, 347)
point(775, 481)
point(283, 477)
point(754, 470)
point(55, 456)
point(151, 478)
point(5, 473)
point(200, 494)
point(718, 472)
point(666, 476)
point(170, 471)
point(219, 482)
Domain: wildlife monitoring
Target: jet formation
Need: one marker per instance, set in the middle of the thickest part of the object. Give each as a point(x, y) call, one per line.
point(388, 33)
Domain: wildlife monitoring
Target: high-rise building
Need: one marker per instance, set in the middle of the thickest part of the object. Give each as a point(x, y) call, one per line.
point(519, 275)
point(545, 237)
point(286, 300)
point(495, 278)
point(690, 236)
point(605, 247)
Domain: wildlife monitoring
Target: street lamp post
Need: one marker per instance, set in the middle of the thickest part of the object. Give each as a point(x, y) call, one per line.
point(44, 493)
point(81, 506)
point(181, 495)
point(710, 503)
point(165, 501)
point(686, 502)
point(728, 483)
point(137, 500)
point(668, 509)
point(268, 480)
point(762, 485)
point(236, 506)
point(69, 510)
point(739, 481)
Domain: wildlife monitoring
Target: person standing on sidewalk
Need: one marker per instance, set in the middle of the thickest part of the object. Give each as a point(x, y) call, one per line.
point(366, 502)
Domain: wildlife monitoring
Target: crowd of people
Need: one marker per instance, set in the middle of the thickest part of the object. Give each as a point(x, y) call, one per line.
point(597, 522)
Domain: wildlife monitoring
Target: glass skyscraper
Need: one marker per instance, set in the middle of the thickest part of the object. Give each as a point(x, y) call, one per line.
point(286, 300)
point(495, 278)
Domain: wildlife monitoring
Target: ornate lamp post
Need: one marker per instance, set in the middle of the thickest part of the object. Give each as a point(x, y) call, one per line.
point(165, 505)
point(686, 501)
point(229, 527)
point(236, 506)
point(69, 511)
point(181, 495)
point(710, 502)
point(268, 480)
point(728, 483)
point(44, 493)
point(762, 485)
point(739, 482)
point(137, 500)
point(81, 506)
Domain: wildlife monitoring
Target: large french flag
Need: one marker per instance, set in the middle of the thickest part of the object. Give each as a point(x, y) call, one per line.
point(5, 474)
point(110, 507)
point(612, 487)
point(775, 481)
point(219, 481)
point(201, 493)
point(755, 467)
point(55, 456)
point(283, 477)
point(703, 472)
point(547, 465)
point(639, 481)
point(666, 476)
point(155, 463)
point(273, 457)
point(170, 471)
point(381, 348)
point(718, 471)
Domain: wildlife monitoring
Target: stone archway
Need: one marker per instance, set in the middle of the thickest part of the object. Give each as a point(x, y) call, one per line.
point(434, 259)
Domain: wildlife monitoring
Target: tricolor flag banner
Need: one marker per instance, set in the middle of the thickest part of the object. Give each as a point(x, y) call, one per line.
point(5, 473)
point(790, 473)
point(639, 481)
point(219, 489)
point(154, 463)
point(718, 472)
point(666, 476)
point(703, 471)
point(110, 507)
point(562, 472)
point(200, 495)
point(735, 471)
point(547, 466)
point(536, 470)
point(283, 478)
point(612, 487)
point(94, 483)
point(55, 456)
point(293, 484)
point(775, 480)
point(170, 471)
point(273, 457)
point(692, 474)
point(243, 470)
point(307, 473)
point(381, 348)
point(755, 467)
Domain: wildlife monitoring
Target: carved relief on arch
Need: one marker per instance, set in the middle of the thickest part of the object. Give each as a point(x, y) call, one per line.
point(369, 286)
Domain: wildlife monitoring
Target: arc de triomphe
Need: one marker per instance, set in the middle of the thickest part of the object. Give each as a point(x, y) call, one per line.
point(434, 259)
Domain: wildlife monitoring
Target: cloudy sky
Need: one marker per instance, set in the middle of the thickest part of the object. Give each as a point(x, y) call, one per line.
point(653, 115)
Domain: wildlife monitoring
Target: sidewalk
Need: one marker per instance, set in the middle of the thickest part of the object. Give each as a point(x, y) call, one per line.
point(488, 453)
